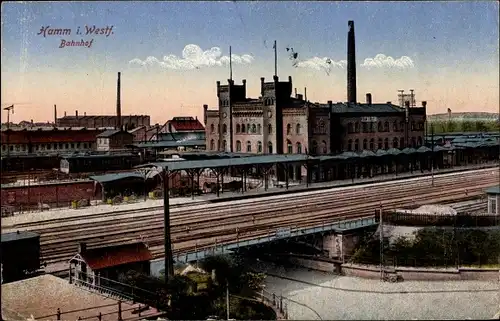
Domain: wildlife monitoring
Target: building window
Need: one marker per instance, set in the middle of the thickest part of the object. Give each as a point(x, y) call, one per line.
point(413, 126)
point(66, 146)
point(84, 145)
point(238, 146)
point(259, 129)
point(212, 145)
point(493, 205)
point(224, 128)
point(237, 128)
point(243, 130)
point(218, 128)
point(350, 128)
point(288, 129)
point(419, 141)
point(365, 144)
point(321, 127)
point(49, 146)
point(386, 143)
point(4, 147)
point(349, 145)
point(23, 148)
point(386, 126)
point(413, 142)
point(395, 142)
point(289, 146)
point(77, 145)
point(402, 142)
point(356, 145)
point(299, 148)
point(269, 129)
point(254, 128)
point(372, 144)
point(323, 145)
point(270, 148)
point(314, 149)
point(224, 145)
point(372, 127)
point(218, 144)
point(356, 127)
point(401, 126)
point(380, 143)
point(55, 146)
point(379, 126)
point(395, 126)
point(249, 129)
point(72, 145)
point(249, 146)
point(60, 146)
point(297, 129)
point(365, 127)
point(259, 147)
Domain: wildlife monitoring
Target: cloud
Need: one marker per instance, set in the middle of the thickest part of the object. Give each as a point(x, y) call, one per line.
point(193, 57)
point(323, 64)
point(383, 61)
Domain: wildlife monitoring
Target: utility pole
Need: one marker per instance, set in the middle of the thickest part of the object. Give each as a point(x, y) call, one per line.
point(8, 109)
point(169, 267)
point(227, 298)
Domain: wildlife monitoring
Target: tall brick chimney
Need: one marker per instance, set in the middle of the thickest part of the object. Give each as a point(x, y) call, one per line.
point(118, 104)
point(351, 64)
point(55, 116)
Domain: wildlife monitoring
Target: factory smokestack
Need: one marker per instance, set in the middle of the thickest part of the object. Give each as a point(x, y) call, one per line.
point(351, 64)
point(55, 115)
point(118, 104)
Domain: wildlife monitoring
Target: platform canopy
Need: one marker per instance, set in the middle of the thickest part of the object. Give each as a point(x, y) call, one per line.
point(227, 162)
point(107, 178)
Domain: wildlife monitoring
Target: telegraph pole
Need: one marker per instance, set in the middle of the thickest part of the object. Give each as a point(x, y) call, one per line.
point(8, 109)
point(169, 267)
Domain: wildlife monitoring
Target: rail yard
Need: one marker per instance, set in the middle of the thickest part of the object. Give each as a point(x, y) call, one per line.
point(201, 226)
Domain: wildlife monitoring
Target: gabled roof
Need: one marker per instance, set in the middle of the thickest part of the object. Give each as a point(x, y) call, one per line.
point(186, 124)
point(104, 257)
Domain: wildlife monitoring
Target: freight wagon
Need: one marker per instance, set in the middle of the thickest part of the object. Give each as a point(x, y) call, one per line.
point(20, 255)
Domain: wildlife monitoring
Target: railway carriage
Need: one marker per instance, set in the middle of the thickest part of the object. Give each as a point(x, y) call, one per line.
point(98, 163)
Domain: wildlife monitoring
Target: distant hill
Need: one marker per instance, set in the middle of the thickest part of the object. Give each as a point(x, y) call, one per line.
point(465, 116)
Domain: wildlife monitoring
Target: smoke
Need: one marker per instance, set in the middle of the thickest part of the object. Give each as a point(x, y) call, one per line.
point(193, 57)
point(383, 61)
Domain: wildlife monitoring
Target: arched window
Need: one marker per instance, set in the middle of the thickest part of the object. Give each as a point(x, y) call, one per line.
point(237, 128)
point(395, 126)
point(270, 147)
point(249, 146)
point(321, 127)
point(212, 145)
point(243, 129)
point(395, 142)
point(380, 142)
point(356, 127)
point(350, 128)
point(259, 146)
point(297, 129)
point(413, 126)
point(288, 129)
point(401, 126)
point(379, 126)
point(349, 145)
point(356, 145)
point(249, 129)
point(402, 142)
point(238, 146)
point(365, 128)
point(386, 126)
point(365, 144)
point(259, 129)
point(386, 143)
point(270, 129)
point(372, 144)
point(254, 128)
point(314, 149)
point(212, 128)
point(218, 144)
point(224, 128)
point(224, 145)
point(324, 147)
point(413, 142)
point(289, 146)
point(419, 141)
point(218, 128)
point(299, 148)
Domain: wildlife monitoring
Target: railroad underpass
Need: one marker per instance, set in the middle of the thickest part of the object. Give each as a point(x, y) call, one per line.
point(329, 242)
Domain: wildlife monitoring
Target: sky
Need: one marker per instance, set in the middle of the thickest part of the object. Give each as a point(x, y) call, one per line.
point(171, 54)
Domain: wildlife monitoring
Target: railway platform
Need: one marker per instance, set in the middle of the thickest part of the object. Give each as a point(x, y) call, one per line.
point(226, 196)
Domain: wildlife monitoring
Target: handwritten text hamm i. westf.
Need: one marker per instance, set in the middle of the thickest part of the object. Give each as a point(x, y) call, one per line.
point(87, 31)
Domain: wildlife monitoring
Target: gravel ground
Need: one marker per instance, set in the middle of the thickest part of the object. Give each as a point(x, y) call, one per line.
point(346, 298)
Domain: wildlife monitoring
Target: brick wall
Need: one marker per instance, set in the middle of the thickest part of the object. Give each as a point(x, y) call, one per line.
point(52, 194)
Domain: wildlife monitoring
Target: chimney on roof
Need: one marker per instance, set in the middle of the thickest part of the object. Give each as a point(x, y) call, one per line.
point(389, 102)
point(82, 247)
point(55, 115)
point(305, 93)
point(407, 104)
point(351, 64)
point(84, 113)
point(205, 113)
point(300, 97)
point(118, 104)
point(64, 114)
point(369, 98)
point(76, 114)
point(424, 104)
point(296, 92)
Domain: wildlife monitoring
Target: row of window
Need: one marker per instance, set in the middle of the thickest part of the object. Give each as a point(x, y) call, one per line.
point(382, 127)
point(54, 146)
point(382, 144)
point(239, 146)
point(256, 129)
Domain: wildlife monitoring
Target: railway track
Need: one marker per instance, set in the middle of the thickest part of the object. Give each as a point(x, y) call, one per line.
point(216, 223)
